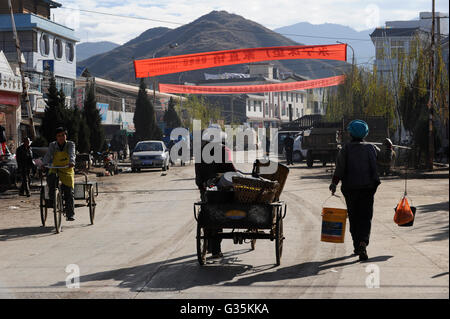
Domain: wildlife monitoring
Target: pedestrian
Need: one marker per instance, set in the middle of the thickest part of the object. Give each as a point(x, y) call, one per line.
point(356, 167)
point(289, 149)
point(61, 153)
point(24, 157)
point(386, 158)
point(4, 151)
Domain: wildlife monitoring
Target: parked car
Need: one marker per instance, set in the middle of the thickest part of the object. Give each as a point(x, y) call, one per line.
point(150, 154)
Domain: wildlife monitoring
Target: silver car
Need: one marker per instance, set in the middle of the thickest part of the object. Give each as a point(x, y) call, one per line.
point(150, 154)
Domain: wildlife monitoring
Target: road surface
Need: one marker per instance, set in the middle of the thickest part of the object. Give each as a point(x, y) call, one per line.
point(143, 245)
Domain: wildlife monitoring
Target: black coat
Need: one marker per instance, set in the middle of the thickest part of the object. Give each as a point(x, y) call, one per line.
point(24, 157)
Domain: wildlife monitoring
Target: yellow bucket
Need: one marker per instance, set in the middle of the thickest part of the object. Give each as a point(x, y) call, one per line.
point(333, 224)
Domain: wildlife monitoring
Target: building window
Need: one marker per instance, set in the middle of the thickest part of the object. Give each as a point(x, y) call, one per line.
point(301, 97)
point(45, 45)
point(70, 52)
point(58, 49)
point(249, 105)
point(296, 97)
point(267, 109)
point(254, 106)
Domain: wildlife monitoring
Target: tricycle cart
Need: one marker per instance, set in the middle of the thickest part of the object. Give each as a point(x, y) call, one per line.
point(85, 192)
point(249, 217)
point(255, 221)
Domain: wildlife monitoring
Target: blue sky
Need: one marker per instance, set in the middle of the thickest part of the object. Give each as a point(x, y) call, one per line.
point(360, 15)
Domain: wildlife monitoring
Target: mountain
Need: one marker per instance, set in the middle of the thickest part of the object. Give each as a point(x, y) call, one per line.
point(328, 33)
point(218, 30)
point(87, 49)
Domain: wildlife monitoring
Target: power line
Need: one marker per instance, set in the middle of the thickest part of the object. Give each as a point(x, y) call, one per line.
point(233, 29)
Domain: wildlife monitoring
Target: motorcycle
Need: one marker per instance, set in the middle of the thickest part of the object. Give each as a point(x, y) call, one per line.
point(110, 164)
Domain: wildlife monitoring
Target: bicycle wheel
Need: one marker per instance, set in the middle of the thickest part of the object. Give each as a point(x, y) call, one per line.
point(202, 245)
point(43, 207)
point(92, 204)
point(58, 208)
point(279, 240)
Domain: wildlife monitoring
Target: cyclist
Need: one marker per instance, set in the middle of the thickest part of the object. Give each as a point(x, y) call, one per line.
point(62, 153)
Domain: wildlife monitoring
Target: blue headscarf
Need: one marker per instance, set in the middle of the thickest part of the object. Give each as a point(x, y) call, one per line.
point(358, 129)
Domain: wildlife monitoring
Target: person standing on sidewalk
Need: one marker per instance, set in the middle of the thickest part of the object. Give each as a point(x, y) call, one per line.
point(24, 157)
point(289, 148)
point(356, 167)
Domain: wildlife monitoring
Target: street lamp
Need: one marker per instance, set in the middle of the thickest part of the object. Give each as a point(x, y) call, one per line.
point(171, 46)
point(353, 64)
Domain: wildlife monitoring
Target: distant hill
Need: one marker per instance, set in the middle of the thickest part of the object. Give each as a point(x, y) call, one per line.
point(87, 49)
point(218, 30)
point(328, 33)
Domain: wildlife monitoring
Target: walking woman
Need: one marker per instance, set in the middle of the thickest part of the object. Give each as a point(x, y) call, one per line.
point(356, 167)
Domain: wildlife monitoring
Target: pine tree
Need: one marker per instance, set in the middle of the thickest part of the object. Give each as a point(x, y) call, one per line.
point(93, 120)
point(84, 143)
point(144, 117)
point(171, 117)
point(55, 112)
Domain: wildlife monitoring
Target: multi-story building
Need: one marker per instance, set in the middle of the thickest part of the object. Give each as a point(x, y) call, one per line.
point(48, 48)
point(398, 37)
point(268, 109)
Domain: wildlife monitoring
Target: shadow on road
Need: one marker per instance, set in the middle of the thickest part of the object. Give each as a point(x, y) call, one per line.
point(22, 232)
point(176, 274)
point(431, 208)
point(306, 269)
point(184, 272)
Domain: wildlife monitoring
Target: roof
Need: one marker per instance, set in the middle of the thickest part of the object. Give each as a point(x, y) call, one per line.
point(394, 32)
point(53, 4)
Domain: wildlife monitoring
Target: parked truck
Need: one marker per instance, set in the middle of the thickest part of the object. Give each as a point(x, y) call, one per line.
point(324, 139)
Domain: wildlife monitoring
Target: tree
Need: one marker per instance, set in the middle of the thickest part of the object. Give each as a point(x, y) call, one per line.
point(55, 112)
point(144, 117)
point(171, 117)
point(198, 108)
point(91, 115)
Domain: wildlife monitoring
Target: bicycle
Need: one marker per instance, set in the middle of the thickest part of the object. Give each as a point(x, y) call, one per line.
point(58, 201)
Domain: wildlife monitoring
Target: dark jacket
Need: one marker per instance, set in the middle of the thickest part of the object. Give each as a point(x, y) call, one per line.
point(205, 171)
point(288, 143)
point(24, 157)
point(356, 166)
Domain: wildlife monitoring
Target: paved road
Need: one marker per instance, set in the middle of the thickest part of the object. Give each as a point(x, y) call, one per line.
point(143, 246)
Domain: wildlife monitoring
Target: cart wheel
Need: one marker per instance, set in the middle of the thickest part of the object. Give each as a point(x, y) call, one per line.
point(58, 209)
point(202, 245)
point(279, 240)
point(43, 207)
point(92, 205)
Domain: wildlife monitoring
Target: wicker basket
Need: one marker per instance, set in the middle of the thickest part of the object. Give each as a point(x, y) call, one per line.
point(279, 176)
point(254, 190)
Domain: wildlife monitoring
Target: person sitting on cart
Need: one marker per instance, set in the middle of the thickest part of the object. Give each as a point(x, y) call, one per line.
point(24, 157)
point(204, 173)
point(356, 167)
point(62, 153)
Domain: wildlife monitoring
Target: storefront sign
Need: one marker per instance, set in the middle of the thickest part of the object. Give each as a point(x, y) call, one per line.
point(103, 108)
point(9, 98)
point(10, 83)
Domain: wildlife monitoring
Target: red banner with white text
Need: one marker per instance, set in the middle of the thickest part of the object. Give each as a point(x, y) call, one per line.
point(189, 62)
point(260, 88)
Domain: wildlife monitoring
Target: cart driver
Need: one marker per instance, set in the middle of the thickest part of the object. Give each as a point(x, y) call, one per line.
point(62, 153)
point(205, 172)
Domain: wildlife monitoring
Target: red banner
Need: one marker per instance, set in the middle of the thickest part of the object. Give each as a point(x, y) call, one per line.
point(189, 62)
point(261, 88)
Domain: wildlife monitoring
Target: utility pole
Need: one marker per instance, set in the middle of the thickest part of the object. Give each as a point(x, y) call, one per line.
point(431, 98)
point(25, 98)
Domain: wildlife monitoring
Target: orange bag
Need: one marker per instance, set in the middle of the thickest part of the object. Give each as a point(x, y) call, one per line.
point(403, 213)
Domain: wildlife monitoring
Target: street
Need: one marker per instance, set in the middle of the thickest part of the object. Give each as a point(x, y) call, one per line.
point(142, 245)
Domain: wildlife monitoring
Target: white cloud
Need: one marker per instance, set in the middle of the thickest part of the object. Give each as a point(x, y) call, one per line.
point(358, 14)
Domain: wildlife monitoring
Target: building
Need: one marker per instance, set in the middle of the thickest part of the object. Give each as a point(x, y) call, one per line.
point(117, 102)
point(10, 92)
point(268, 109)
point(49, 49)
point(397, 37)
